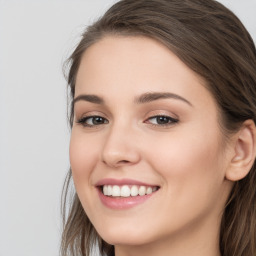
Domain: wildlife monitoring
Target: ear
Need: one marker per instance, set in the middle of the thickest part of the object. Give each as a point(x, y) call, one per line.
point(244, 151)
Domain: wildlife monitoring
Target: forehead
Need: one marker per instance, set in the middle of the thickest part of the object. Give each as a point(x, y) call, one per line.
point(135, 65)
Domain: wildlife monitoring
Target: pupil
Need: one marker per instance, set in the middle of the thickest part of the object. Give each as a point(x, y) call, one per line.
point(162, 120)
point(98, 120)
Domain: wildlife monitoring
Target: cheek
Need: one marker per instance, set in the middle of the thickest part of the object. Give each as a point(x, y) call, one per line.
point(189, 157)
point(191, 166)
point(182, 152)
point(192, 174)
point(83, 157)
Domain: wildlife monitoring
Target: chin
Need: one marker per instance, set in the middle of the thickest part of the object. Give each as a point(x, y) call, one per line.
point(127, 237)
point(126, 241)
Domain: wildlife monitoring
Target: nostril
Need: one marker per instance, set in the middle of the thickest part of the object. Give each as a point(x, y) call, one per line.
point(118, 163)
point(117, 158)
point(124, 161)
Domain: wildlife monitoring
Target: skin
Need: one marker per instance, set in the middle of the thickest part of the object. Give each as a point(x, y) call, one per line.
point(187, 159)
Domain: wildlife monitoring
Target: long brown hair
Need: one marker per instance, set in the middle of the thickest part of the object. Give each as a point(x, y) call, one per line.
point(212, 41)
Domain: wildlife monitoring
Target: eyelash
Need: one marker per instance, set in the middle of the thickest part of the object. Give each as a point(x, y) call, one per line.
point(85, 119)
point(169, 121)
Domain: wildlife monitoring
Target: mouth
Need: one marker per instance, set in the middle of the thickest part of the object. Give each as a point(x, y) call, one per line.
point(124, 194)
point(125, 191)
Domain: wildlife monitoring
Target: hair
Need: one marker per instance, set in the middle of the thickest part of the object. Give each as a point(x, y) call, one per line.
point(212, 42)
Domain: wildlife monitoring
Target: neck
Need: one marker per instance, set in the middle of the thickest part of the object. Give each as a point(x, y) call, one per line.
point(193, 241)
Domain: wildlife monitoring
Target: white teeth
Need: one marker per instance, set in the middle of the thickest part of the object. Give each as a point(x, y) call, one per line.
point(116, 191)
point(134, 190)
point(126, 190)
point(149, 190)
point(105, 190)
point(109, 190)
point(142, 191)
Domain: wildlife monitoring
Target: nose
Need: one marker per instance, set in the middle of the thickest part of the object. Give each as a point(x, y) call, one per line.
point(120, 148)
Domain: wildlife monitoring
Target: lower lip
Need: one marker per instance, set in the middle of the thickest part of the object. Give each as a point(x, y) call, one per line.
point(120, 203)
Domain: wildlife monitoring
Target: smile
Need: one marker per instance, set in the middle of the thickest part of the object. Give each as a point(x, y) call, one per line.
point(127, 190)
point(125, 193)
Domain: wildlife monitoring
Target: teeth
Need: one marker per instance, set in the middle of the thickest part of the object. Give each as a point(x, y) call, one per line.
point(105, 190)
point(134, 190)
point(116, 191)
point(142, 191)
point(109, 190)
point(149, 190)
point(126, 190)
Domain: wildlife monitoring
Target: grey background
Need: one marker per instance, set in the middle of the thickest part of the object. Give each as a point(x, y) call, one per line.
point(35, 39)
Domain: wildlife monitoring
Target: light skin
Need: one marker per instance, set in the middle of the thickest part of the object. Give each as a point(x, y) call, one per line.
point(126, 82)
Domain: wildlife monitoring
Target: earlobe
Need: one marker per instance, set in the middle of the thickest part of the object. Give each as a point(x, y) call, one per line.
point(244, 152)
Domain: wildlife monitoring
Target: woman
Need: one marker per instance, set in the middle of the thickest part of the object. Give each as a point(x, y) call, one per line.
point(162, 150)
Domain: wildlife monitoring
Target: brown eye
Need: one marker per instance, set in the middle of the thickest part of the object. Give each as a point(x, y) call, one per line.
point(162, 120)
point(92, 120)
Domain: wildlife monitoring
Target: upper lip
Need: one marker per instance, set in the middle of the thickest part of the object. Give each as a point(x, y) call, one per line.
point(119, 182)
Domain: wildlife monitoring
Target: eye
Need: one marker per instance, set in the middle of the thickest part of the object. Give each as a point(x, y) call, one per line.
point(90, 121)
point(162, 120)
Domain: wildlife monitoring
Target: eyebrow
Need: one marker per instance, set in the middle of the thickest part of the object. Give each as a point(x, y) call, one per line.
point(152, 96)
point(90, 98)
point(144, 98)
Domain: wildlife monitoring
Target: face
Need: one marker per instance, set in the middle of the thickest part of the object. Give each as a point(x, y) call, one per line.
point(146, 151)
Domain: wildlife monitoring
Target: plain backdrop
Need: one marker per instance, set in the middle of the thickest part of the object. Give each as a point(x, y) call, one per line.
point(36, 37)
